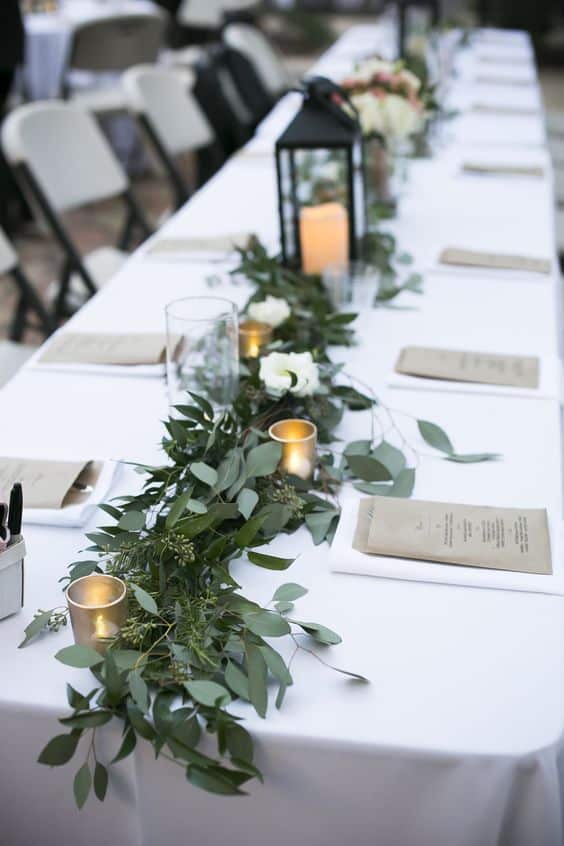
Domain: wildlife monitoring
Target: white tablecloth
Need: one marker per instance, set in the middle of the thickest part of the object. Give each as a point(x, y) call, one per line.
point(457, 741)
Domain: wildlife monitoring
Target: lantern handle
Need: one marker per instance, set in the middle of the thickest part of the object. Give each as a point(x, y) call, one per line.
point(327, 95)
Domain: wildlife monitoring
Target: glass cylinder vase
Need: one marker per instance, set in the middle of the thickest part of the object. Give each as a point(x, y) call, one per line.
point(202, 351)
point(386, 171)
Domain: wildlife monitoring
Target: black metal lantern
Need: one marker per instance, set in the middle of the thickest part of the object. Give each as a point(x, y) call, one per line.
point(405, 9)
point(319, 163)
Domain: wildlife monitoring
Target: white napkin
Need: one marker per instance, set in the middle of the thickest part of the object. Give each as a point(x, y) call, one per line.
point(550, 386)
point(75, 516)
point(344, 559)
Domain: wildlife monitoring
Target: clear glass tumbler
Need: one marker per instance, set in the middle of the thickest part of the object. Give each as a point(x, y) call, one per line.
point(353, 286)
point(202, 350)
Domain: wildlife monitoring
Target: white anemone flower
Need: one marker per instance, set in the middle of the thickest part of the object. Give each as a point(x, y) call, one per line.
point(272, 310)
point(293, 372)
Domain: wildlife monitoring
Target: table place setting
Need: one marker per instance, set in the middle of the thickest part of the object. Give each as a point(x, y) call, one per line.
point(505, 111)
point(502, 264)
point(474, 168)
point(456, 370)
point(199, 248)
point(58, 493)
point(514, 549)
point(105, 353)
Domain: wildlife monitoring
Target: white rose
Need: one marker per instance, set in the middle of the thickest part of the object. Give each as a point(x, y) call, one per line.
point(399, 119)
point(277, 369)
point(368, 69)
point(410, 79)
point(272, 310)
point(368, 112)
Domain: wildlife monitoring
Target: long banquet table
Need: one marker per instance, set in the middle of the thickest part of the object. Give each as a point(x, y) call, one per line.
point(458, 739)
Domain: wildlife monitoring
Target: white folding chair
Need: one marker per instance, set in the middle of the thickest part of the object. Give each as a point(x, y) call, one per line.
point(253, 44)
point(63, 162)
point(200, 14)
point(170, 116)
point(109, 45)
point(29, 302)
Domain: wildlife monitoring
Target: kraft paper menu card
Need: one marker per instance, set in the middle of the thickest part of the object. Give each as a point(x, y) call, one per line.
point(511, 539)
point(494, 261)
point(505, 80)
point(502, 170)
point(466, 366)
point(513, 111)
point(50, 484)
point(105, 349)
point(200, 244)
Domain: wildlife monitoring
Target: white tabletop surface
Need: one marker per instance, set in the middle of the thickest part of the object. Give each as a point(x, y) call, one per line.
point(457, 739)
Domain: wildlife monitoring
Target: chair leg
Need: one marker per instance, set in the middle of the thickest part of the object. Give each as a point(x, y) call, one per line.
point(29, 301)
point(136, 218)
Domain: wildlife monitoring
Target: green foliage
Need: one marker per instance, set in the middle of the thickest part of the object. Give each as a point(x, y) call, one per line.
point(192, 642)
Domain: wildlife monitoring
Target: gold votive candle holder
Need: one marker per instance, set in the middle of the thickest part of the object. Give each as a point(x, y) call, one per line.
point(98, 609)
point(299, 446)
point(253, 335)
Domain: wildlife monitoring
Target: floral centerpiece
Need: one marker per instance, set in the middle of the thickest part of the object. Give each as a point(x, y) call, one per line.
point(393, 105)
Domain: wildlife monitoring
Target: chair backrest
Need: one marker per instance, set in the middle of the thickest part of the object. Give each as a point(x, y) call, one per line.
point(8, 258)
point(255, 46)
point(66, 153)
point(116, 42)
point(163, 96)
point(207, 14)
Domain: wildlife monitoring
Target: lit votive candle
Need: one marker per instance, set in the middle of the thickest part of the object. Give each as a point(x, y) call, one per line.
point(253, 335)
point(98, 609)
point(299, 444)
point(324, 236)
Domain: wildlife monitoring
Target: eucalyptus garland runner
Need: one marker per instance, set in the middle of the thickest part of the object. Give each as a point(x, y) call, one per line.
point(192, 642)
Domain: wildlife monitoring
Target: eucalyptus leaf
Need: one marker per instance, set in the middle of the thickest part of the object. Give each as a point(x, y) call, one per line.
point(263, 460)
point(139, 691)
point(269, 562)
point(132, 521)
point(289, 592)
point(474, 458)
point(239, 743)
point(404, 483)
point(319, 523)
point(320, 633)
point(276, 665)
point(213, 781)
point(59, 750)
point(267, 624)
point(368, 468)
point(236, 680)
point(100, 781)
point(208, 693)
point(144, 599)
point(127, 746)
point(391, 457)
point(249, 530)
point(246, 502)
point(205, 473)
point(82, 784)
point(435, 436)
point(79, 656)
point(37, 625)
point(178, 508)
point(257, 673)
